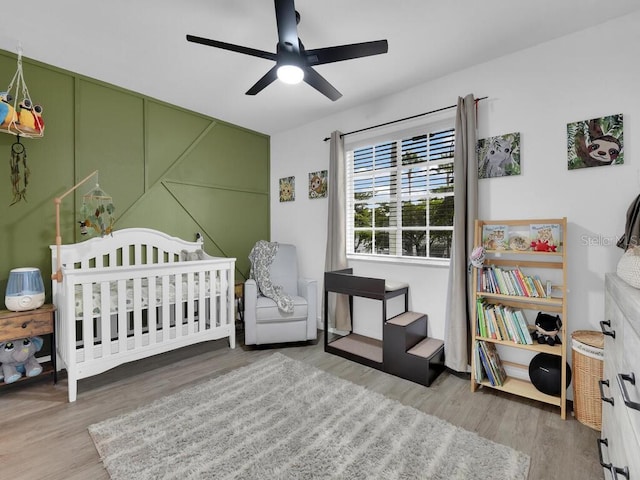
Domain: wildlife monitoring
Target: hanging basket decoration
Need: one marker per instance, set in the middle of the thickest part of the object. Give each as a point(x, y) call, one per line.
point(22, 119)
point(97, 212)
point(19, 172)
point(19, 115)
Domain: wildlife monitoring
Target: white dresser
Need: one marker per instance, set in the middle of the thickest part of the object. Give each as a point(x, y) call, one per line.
point(619, 445)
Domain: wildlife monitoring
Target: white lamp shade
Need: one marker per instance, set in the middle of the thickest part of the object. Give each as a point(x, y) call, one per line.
point(25, 289)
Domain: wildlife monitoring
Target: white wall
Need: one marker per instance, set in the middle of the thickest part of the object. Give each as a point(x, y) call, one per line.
point(535, 92)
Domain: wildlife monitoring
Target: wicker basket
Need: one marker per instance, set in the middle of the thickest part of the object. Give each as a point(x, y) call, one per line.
point(587, 356)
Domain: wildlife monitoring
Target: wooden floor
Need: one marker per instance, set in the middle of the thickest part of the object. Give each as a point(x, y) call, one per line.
point(43, 436)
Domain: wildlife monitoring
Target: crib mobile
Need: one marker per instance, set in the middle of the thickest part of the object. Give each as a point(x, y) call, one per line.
point(23, 119)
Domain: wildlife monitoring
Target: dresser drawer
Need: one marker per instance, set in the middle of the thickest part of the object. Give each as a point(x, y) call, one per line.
point(17, 325)
point(613, 330)
point(631, 365)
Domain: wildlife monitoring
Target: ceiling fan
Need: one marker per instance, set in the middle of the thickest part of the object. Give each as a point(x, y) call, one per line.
point(293, 61)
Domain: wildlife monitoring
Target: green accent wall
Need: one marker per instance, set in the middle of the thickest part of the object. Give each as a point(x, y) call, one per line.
point(166, 168)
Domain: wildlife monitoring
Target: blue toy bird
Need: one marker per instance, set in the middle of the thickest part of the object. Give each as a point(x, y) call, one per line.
point(7, 112)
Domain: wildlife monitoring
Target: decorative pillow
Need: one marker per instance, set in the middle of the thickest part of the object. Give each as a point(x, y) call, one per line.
point(629, 267)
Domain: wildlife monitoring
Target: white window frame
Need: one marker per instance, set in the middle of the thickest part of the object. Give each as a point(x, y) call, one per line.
point(396, 135)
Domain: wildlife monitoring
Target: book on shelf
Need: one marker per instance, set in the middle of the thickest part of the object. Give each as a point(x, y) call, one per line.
point(519, 238)
point(493, 279)
point(545, 232)
point(524, 327)
point(499, 322)
point(495, 237)
point(521, 281)
point(491, 363)
point(479, 369)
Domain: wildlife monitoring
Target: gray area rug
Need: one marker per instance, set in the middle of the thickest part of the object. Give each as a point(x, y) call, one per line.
point(282, 419)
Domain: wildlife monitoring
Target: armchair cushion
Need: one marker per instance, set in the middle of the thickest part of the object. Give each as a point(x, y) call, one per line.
point(267, 310)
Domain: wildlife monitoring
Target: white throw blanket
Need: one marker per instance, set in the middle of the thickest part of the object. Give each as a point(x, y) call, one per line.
point(261, 257)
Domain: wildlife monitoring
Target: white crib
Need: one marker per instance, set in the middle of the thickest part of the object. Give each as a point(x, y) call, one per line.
point(137, 293)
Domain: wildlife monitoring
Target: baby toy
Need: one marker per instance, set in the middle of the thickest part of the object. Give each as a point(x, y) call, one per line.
point(542, 246)
point(547, 328)
point(477, 257)
point(18, 358)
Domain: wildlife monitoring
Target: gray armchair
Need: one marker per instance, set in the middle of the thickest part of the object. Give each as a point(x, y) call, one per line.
point(264, 322)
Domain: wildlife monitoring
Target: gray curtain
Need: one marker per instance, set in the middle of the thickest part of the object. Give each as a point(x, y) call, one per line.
point(465, 185)
point(336, 254)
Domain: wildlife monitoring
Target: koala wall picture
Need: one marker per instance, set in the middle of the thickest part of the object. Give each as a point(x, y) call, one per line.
point(287, 189)
point(595, 143)
point(318, 184)
point(499, 156)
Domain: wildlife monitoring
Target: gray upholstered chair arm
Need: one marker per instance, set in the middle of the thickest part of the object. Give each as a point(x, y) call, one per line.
point(308, 289)
point(250, 301)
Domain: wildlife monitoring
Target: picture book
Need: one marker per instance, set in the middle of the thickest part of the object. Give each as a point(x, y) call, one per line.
point(495, 237)
point(546, 232)
point(519, 239)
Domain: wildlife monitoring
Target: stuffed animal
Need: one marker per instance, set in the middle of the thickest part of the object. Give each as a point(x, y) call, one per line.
point(18, 358)
point(7, 112)
point(542, 246)
point(26, 117)
point(547, 328)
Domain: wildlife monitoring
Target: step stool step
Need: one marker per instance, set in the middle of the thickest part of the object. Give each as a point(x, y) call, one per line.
point(427, 348)
point(405, 318)
point(402, 332)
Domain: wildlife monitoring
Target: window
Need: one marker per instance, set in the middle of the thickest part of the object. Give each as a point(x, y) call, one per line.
point(400, 196)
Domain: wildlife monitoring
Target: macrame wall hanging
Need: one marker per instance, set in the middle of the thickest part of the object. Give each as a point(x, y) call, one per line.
point(19, 116)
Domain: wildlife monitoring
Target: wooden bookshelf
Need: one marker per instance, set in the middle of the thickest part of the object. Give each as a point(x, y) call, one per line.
point(526, 260)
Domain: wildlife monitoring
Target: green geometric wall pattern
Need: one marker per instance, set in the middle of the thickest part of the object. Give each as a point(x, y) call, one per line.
point(166, 168)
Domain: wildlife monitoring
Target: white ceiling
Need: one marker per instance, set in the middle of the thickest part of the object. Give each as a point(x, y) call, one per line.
point(140, 45)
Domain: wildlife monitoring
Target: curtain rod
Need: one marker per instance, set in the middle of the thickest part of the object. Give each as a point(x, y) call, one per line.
point(402, 119)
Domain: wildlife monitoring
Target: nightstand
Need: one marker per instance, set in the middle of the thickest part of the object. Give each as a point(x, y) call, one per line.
point(31, 323)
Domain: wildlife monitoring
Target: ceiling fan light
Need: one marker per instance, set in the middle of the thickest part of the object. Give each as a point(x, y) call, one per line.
point(290, 74)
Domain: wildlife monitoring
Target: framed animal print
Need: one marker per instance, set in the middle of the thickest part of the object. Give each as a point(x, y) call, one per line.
point(597, 142)
point(318, 184)
point(499, 156)
point(287, 189)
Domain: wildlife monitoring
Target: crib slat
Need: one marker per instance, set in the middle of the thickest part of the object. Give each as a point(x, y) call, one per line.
point(125, 256)
point(151, 309)
point(179, 311)
point(224, 302)
point(105, 318)
point(202, 300)
point(122, 315)
point(137, 312)
point(166, 310)
point(213, 298)
point(87, 321)
point(190, 302)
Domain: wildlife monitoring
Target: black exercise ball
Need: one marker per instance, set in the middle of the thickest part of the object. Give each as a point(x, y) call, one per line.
point(545, 373)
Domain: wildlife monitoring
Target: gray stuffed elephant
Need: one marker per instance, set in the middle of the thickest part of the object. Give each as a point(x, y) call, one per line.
point(18, 358)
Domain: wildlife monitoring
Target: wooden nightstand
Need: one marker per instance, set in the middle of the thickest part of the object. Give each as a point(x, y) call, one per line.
point(31, 323)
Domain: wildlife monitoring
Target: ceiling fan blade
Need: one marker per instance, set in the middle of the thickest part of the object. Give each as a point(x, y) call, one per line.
point(267, 79)
point(232, 47)
point(320, 56)
point(318, 82)
point(287, 25)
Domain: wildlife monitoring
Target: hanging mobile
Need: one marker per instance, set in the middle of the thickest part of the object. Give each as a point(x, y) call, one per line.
point(19, 172)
